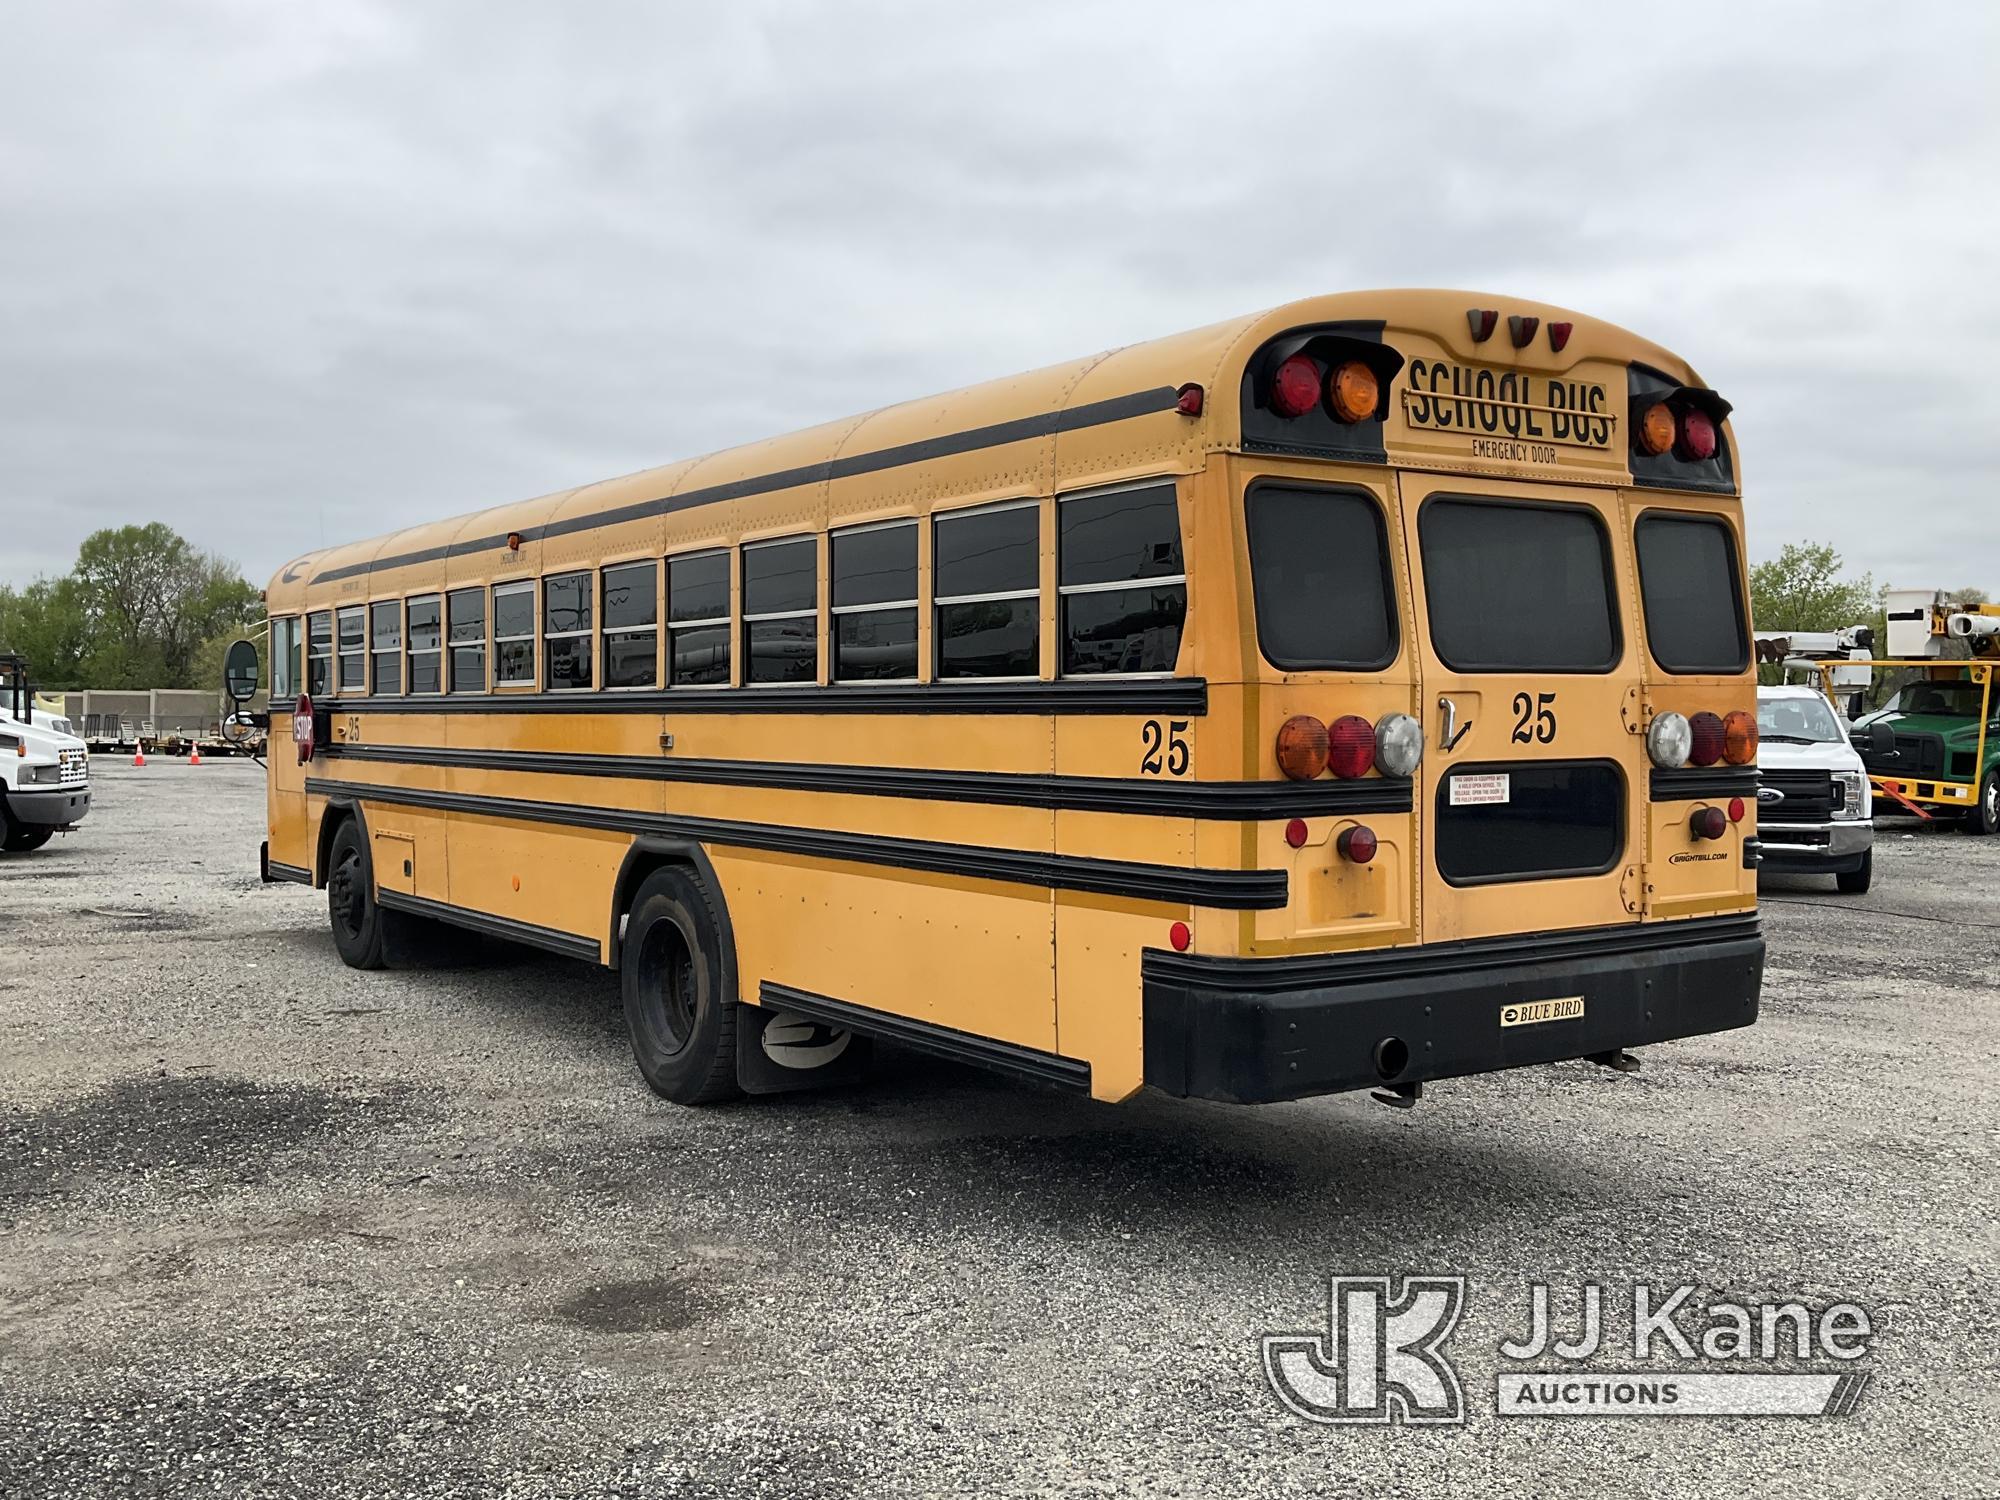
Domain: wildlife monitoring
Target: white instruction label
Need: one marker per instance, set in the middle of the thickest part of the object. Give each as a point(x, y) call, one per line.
point(1475, 791)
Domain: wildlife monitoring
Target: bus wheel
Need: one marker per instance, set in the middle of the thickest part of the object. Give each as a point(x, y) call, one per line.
point(351, 908)
point(670, 973)
point(1985, 818)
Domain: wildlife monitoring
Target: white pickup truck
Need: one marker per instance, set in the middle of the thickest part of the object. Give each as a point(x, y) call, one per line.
point(1814, 808)
point(44, 772)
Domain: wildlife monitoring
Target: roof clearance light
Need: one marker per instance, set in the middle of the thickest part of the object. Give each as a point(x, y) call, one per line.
point(1302, 747)
point(1668, 740)
point(1399, 745)
point(1706, 748)
point(1188, 400)
point(1522, 330)
point(1350, 746)
point(1295, 388)
point(1739, 738)
point(1482, 321)
point(1656, 429)
point(1353, 391)
point(1697, 440)
point(1559, 335)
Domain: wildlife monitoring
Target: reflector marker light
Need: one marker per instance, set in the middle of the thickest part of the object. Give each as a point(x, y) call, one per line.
point(1522, 330)
point(1180, 937)
point(1483, 321)
point(1295, 833)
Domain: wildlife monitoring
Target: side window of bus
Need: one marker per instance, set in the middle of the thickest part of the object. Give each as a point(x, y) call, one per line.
point(874, 603)
point(385, 645)
point(1692, 594)
point(1518, 586)
point(567, 623)
point(631, 625)
point(284, 657)
point(353, 676)
point(426, 646)
point(1123, 582)
point(513, 634)
point(466, 621)
point(698, 620)
point(781, 610)
point(1319, 566)
point(987, 564)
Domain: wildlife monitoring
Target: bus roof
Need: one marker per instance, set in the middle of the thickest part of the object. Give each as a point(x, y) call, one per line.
point(1093, 416)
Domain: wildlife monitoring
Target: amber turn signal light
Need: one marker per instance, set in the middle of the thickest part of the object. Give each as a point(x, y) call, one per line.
point(1353, 391)
point(1739, 737)
point(1657, 429)
point(1302, 747)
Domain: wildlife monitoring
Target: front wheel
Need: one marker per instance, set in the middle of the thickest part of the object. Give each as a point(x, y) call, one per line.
point(670, 976)
point(1985, 818)
point(351, 908)
point(20, 838)
point(1855, 882)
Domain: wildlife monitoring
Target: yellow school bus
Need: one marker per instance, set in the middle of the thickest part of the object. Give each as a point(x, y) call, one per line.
point(1352, 695)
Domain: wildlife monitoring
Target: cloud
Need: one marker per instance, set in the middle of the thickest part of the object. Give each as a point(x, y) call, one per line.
point(289, 275)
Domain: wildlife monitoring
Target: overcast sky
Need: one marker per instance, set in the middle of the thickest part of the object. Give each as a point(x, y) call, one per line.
point(291, 274)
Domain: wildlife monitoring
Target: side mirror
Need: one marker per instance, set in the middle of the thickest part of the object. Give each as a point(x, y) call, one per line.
point(239, 672)
point(1881, 740)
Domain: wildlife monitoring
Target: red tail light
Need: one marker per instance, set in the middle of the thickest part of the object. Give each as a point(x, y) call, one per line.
point(1697, 435)
point(1708, 741)
point(1350, 746)
point(1295, 388)
point(1356, 844)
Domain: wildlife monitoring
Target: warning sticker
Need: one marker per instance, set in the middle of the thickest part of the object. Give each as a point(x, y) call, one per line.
point(1476, 791)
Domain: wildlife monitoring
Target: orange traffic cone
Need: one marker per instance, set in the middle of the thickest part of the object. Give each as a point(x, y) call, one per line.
point(138, 755)
point(194, 755)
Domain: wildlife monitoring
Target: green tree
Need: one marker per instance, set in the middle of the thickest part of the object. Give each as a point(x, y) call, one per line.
point(149, 602)
point(1802, 589)
point(45, 623)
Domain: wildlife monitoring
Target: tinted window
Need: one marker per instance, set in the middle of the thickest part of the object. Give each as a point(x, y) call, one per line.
point(990, 638)
point(1556, 819)
point(426, 675)
point(631, 595)
point(779, 578)
point(465, 616)
point(1123, 596)
point(988, 552)
point(875, 566)
point(1518, 587)
point(1124, 535)
point(1319, 562)
point(353, 672)
point(385, 641)
point(319, 653)
point(782, 650)
point(876, 645)
point(1692, 595)
point(514, 633)
point(698, 656)
point(566, 645)
point(698, 587)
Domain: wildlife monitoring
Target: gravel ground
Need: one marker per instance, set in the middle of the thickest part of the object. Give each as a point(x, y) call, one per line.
point(272, 1227)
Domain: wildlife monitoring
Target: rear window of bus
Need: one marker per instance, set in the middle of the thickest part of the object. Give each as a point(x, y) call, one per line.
point(1518, 586)
point(1692, 594)
point(1319, 565)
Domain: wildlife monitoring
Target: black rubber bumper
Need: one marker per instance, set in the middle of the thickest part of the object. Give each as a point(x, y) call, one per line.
point(49, 807)
point(1255, 1030)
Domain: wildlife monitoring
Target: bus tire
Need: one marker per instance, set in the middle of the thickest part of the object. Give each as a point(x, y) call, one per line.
point(1984, 817)
point(358, 921)
point(683, 1026)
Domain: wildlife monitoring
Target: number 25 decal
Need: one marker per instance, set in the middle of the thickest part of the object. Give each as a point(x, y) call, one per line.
point(1535, 719)
point(1166, 747)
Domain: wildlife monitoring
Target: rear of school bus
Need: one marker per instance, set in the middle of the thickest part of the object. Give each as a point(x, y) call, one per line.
point(1487, 599)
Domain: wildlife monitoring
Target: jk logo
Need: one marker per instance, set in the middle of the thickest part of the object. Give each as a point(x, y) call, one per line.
point(1380, 1359)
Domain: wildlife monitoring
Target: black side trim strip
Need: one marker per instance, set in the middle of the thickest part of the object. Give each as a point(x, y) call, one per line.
point(1186, 696)
point(1307, 970)
point(999, 434)
point(289, 872)
point(944, 1041)
point(1703, 781)
point(568, 944)
point(1227, 890)
point(1223, 801)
